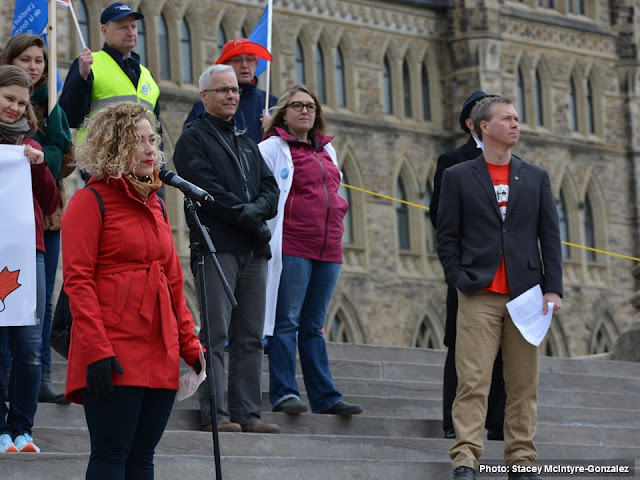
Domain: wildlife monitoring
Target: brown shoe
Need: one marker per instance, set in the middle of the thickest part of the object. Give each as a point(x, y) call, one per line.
point(259, 427)
point(224, 425)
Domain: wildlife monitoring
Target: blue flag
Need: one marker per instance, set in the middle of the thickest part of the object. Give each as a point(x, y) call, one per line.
point(260, 35)
point(32, 16)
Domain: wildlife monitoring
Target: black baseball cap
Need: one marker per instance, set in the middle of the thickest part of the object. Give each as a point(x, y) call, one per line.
point(468, 106)
point(117, 11)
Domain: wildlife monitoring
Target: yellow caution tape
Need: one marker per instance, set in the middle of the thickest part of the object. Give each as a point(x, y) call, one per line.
point(424, 207)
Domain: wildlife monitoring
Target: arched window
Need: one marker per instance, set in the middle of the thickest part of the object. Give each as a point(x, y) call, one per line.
point(185, 50)
point(406, 90)
point(386, 87)
point(141, 47)
point(299, 63)
point(554, 344)
point(347, 237)
point(429, 233)
point(163, 47)
point(591, 126)
point(573, 107)
point(522, 102)
point(83, 21)
point(426, 97)
point(576, 6)
point(341, 90)
point(402, 217)
point(589, 230)
point(336, 330)
point(426, 337)
point(221, 39)
point(604, 335)
point(564, 225)
point(538, 99)
point(321, 90)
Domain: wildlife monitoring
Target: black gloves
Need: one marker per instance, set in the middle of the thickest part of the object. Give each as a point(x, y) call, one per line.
point(251, 217)
point(263, 235)
point(197, 367)
point(251, 221)
point(99, 380)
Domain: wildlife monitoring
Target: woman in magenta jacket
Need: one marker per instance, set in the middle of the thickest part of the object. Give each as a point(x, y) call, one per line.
point(306, 245)
point(123, 277)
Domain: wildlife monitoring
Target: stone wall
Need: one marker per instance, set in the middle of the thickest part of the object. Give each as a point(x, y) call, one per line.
point(387, 296)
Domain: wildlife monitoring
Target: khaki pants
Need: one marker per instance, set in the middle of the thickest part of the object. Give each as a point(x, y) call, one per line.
point(483, 326)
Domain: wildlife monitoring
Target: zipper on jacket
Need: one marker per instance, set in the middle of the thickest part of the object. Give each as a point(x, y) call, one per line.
point(326, 194)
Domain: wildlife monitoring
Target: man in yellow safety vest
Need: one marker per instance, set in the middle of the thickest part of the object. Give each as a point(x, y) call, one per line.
point(114, 74)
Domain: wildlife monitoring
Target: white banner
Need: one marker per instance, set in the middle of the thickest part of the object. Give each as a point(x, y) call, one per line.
point(17, 240)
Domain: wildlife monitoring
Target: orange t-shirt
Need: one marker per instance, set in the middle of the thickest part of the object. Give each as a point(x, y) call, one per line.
point(500, 176)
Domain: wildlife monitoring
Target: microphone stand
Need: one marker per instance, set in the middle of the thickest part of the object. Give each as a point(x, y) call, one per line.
point(203, 248)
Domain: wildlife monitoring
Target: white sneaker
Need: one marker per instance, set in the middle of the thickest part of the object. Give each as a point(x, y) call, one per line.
point(24, 443)
point(6, 444)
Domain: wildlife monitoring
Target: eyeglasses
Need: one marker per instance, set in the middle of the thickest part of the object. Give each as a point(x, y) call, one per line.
point(298, 106)
point(225, 90)
point(240, 60)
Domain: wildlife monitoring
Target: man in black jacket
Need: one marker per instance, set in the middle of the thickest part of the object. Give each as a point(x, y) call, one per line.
point(212, 154)
point(497, 237)
point(497, 397)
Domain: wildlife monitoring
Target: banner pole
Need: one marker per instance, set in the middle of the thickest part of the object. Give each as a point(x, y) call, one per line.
point(75, 21)
point(268, 80)
point(53, 60)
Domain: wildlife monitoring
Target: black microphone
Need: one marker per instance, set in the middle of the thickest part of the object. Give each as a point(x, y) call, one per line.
point(188, 188)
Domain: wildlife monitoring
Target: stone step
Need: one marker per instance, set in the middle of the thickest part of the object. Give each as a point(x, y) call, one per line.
point(341, 352)
point(404, 379)
point(53, 466)
point(555, 389)
point(178, 442)
point(559, 431)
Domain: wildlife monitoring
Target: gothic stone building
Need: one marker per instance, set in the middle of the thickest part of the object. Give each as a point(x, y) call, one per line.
point(392, 76)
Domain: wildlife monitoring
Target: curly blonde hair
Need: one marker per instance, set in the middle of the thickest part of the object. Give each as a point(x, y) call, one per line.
point(109, 148)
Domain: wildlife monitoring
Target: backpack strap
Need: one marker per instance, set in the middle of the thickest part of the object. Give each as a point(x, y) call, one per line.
point(164, 212)
point(100, 202)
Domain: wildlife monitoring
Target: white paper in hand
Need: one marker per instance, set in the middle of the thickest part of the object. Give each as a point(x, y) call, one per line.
point(190, 381)
point(526, 313)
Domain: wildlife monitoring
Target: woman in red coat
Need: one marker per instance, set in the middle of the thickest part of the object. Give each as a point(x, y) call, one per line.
point(123, 277)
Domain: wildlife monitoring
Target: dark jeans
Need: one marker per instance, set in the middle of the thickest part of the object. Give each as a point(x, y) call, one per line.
point(24, 344)
point(52, 245)
point(125, 426)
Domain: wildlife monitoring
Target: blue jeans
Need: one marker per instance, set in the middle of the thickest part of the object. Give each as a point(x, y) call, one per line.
point(125, 426)
point(26, 372)
point(52, 245)
point(306, 287)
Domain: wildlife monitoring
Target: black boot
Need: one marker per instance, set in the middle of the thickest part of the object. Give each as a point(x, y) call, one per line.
point(47, 392)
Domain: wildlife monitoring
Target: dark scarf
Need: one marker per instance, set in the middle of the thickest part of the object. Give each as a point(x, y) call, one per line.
point(55, 138)
point(14, 132)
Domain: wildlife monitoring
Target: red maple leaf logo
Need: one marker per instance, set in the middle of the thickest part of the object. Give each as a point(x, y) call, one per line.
point(8, 283)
